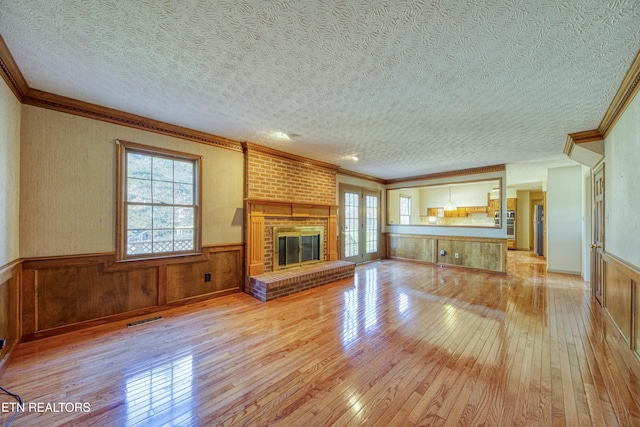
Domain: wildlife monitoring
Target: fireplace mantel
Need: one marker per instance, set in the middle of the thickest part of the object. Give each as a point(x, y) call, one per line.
point(277, 208)
point(258, 210)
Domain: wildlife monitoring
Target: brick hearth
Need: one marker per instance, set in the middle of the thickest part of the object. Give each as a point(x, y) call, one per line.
point(277, 284)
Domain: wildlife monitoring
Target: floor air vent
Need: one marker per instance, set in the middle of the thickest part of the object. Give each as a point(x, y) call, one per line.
point(142, 321)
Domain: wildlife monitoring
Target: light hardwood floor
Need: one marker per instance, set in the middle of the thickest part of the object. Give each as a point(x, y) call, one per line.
point(401, 344)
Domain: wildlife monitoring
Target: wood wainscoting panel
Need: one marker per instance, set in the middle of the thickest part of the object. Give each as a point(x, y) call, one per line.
point(61, 294)
point(622, 297)
point(445, 257)
point(76, 294)
point(9, 317)
point(618, 286)
point(419, 248)
point(188, 280)
point(636, 317)
point(481, 255)
point(477, 253)
point(28, 301)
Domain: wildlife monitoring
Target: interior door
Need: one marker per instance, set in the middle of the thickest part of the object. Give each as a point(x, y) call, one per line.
point(597, 244)
point(360, 224)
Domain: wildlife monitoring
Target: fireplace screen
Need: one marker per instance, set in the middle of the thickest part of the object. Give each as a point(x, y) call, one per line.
point(297, 246)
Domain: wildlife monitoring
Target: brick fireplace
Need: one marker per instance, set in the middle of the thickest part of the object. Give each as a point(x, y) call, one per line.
point(266, 282)
point(265, 215)
point(286, 191)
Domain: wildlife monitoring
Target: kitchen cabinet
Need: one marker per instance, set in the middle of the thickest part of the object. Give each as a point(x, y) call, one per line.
point(476, 209)
point(494, 205)
point(451, 214)
point(433, 212)
point(511, 204)
point(461, 212)
point(456, 213)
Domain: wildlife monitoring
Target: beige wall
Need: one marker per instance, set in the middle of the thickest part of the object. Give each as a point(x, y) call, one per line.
point(9, 174)
point(68, 184)
point(621, 177)
point(563, 217)
point(523, 220)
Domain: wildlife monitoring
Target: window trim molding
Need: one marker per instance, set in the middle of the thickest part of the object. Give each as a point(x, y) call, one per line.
point(404, 196)
point(122, 147)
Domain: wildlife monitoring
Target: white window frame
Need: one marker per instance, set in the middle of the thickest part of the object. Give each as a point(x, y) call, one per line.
point(405, 217)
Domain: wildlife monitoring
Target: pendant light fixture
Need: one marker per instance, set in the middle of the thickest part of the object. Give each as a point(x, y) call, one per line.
point(450, 206)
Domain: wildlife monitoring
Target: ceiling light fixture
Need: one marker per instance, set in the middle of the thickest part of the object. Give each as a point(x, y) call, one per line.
point(354, 158)
point(285, 135)
point(450, 206)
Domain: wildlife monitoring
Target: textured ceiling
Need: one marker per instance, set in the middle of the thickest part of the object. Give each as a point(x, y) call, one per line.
point(409, 87)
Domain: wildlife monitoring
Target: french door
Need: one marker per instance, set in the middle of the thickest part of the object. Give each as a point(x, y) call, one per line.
point(359, 223)
point(597, 245)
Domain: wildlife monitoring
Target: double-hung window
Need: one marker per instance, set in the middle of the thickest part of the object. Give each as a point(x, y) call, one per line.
point(158, 202)
point(405, 210)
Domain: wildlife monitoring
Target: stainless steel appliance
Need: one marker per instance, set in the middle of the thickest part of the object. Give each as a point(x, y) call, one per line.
point(538, 230)
point(511, 224)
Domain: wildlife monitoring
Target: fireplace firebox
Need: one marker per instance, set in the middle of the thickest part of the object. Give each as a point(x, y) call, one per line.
point(297, 246)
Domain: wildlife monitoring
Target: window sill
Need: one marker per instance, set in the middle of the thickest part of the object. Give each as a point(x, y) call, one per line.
point(127, 264)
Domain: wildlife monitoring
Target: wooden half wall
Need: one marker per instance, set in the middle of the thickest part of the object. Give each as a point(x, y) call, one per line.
point(67, 293)
point(477, 253)
point(9, 308)
point(621, 298)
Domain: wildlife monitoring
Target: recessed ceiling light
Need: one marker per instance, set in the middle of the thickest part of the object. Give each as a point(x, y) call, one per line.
point(285, 135)
point(282, 135)
point(351, 157)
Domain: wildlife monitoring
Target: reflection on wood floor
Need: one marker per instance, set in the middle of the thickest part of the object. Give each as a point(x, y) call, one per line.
point(400, 344)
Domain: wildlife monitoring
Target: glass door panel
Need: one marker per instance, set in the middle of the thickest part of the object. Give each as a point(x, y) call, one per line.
point(293, 250)
point(372, 221)
point(360, 224)
point(351, 225)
